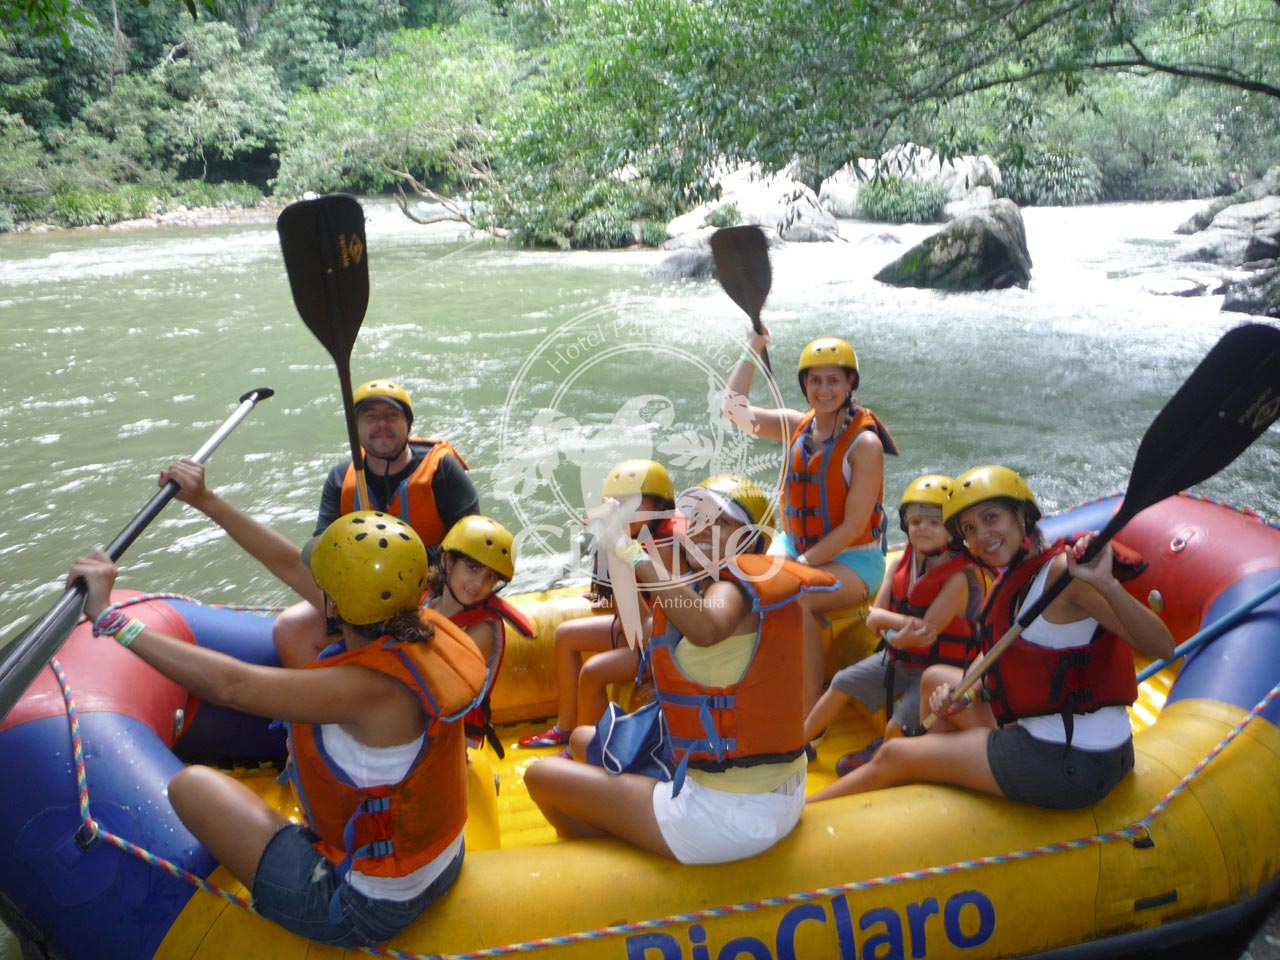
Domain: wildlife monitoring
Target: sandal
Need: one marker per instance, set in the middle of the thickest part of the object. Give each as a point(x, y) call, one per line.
point(852, 761)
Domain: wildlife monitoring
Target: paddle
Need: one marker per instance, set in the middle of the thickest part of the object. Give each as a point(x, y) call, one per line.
point(1229, 401)
point(1212, 631)
point(328, 266)
point(741, 256)
point(26, 655)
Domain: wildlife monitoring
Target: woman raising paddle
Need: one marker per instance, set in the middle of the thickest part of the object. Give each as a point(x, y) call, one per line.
point(833, 493)
point(1050, 728)
point(377, 754)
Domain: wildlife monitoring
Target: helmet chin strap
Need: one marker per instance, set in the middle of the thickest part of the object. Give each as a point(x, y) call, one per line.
point(387, 460)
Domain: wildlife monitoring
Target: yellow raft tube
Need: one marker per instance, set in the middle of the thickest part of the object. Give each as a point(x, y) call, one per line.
point(1181, 849)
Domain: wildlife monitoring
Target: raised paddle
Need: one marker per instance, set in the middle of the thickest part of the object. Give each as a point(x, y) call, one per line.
point(328, 266)
point(741, 256)
point(1229, 401)
point(26, 655)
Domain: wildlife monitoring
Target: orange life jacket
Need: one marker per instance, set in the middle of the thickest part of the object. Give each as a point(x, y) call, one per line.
point(395, 829)
point(1029, 680)
point(414, 502)
point(478, 722)
point(957, 642)
point(760, 718)
point(815, 490)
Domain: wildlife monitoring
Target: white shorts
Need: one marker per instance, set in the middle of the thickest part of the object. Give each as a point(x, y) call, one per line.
point(704, 825)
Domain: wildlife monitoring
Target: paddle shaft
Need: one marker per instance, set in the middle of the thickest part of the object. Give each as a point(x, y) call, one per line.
point(1211, 632)
point(26, 656)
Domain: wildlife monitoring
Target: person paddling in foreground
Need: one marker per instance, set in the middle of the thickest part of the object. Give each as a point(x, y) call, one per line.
point(477, 559)
point(581, 679)
point(714, 654)
point(925, 610)
point(832, 497)
point(376, 722)
point(1062, 745)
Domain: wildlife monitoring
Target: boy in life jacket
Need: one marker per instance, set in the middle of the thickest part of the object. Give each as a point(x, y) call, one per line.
point(926, 611)
point(477, 559)
point(833, 491)
point(377, 755)
point(727, 678)
point(582, 680)
point(1051, 726)
point(422, 480)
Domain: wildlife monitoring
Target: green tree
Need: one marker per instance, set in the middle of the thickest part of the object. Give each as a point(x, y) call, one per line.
point(227, 102)
point(419, 115)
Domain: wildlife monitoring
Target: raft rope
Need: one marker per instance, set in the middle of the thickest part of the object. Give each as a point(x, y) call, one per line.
point(1138, 833)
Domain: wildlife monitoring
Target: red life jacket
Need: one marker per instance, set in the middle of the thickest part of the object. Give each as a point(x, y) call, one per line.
point(1029, 680)
point(395, 829)
point(414, 502)
point(760, 718)
point(814, 494)
point(478, 722)
point(957, 642)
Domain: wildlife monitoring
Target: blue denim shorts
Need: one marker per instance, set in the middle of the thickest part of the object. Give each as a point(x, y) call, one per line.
point(295, 882)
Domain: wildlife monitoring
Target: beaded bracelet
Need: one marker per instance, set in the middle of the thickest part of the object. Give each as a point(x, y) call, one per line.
point(110, 622)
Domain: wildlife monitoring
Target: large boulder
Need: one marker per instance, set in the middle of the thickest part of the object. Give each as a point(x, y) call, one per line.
point(774, 201)
point(969, 181)
point(1240, 233)
point(1268, 185)
point(1258, 295)
point(982, 250)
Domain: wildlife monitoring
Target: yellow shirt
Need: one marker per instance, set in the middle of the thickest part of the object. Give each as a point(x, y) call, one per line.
point(720, 665)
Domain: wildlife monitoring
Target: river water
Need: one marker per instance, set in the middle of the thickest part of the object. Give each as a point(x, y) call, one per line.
point(126, 350)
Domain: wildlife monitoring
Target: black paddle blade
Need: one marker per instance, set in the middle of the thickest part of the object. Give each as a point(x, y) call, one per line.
point(328, 266)
point(1229, 401)
point(741, 255)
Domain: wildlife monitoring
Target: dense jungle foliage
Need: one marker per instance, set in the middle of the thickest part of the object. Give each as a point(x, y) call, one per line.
point(584, 123)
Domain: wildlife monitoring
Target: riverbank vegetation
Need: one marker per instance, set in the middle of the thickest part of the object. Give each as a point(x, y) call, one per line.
point(581, 123)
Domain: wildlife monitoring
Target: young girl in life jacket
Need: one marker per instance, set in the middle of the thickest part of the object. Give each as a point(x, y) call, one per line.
point(714, 655)
point(376, 721)
point(925, 609)
point(477, 559)
point(582, 680)
point(833, 491)
point(1050, 726)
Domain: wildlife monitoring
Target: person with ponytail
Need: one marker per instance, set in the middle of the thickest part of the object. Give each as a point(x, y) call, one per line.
point(832, 503)
point(377, 757)
point(1048, 726)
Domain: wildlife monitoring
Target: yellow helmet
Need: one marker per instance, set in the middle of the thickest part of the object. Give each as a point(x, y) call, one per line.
point(987, 483)
point(932, 488)
point(743, 492)
point(387, 390)
point(645, 477)
point(827, 352)
point(371, 564)
point(484, 541)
